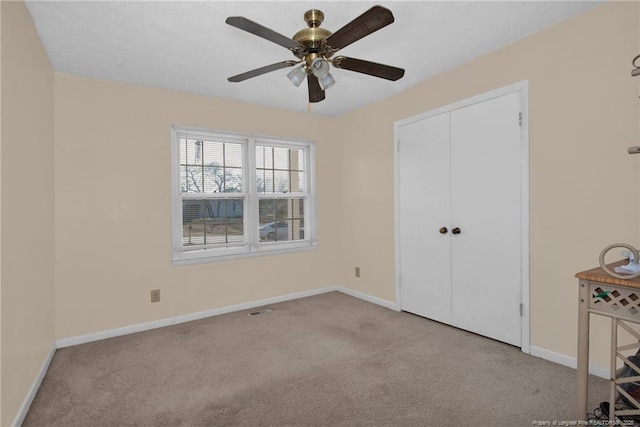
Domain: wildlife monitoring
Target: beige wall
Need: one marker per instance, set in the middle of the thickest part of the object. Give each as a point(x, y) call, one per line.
point(112, 219)
point(27, 224)
point(583, 184)
point(113, 207)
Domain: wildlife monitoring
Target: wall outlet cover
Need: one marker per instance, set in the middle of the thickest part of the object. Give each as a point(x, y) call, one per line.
point(155, 295)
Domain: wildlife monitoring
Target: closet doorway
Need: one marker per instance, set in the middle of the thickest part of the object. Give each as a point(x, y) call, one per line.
point(462, 215)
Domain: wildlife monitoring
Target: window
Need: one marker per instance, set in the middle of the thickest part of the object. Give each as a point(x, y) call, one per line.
point(240, 195)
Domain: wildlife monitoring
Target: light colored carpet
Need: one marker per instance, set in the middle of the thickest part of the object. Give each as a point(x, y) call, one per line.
point(327, 360)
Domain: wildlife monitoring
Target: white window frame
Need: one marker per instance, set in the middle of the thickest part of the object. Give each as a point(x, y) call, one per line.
point(251, 246)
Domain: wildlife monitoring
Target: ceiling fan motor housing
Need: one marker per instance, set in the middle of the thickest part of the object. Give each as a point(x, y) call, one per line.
point(312, 37)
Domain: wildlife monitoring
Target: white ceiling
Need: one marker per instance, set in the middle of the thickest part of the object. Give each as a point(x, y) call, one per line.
point(186, 45)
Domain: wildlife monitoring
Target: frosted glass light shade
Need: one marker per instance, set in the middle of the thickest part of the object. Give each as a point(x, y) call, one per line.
point(297, 75)
point(326, 82)
point(319, 67)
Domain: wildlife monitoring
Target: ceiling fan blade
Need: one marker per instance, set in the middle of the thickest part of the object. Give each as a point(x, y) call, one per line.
point(367, 67)
point(372, 20)
point(261, 70)
point(266, 33)
point(316, 94)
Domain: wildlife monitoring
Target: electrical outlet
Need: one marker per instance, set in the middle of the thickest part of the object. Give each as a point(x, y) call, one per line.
point(357, 271)
point(155, 295)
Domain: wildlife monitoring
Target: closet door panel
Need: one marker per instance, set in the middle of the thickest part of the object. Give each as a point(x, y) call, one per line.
point(424, 200)
point(486, 187)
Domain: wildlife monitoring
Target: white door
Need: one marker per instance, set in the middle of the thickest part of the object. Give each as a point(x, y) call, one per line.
point(486, 188)
point(424, 200)
point(463, 169)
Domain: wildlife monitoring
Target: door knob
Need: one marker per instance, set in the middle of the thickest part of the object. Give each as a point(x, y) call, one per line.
point(443, 230)
point(456, 230)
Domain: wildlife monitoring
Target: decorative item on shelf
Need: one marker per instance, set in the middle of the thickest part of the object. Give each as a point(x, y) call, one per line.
point(636, 68)
point(631, 270)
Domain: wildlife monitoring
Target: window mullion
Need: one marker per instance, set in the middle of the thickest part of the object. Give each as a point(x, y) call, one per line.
point(310, 181)
point(251, 217)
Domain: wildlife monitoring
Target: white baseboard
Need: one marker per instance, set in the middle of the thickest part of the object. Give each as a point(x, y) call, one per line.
point(67, 342)
point(562, 359)
point(571, 362)
point(96, 336)
point(28, 400)
point(126, 330)
point(366, 297)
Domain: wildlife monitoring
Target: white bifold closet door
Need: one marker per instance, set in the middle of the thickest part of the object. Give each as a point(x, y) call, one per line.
point(463, 170)
point(424, 202)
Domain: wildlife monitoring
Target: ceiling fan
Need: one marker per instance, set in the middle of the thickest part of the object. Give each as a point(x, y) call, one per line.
point(314, 46)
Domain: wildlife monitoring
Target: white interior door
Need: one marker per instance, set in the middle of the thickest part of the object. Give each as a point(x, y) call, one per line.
point(486, 188)
point(424, 200)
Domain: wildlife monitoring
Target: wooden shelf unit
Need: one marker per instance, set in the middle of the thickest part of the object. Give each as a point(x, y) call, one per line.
point(619, 300)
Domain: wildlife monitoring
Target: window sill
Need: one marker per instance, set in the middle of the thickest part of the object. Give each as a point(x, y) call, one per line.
point(209, 255)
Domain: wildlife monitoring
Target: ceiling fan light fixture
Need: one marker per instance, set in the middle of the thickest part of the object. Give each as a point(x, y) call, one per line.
point(319, 67)
point(314, 47)
point(297, 75)
point(326, 82)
